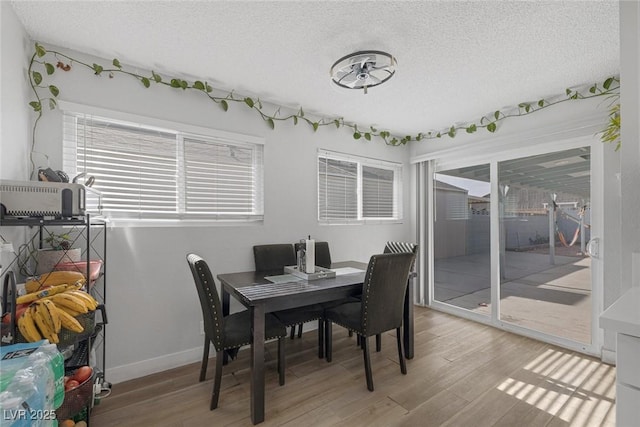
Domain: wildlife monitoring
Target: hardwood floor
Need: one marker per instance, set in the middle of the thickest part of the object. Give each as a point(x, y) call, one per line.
point(463, 374)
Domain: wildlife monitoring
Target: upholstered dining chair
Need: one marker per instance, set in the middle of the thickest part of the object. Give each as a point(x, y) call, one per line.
point(227, 333)
point(273, 258)
point(380, 310)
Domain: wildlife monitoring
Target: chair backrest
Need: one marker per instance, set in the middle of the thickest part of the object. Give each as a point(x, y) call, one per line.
point(273, 257)
point(323, 256)
point(399, 247)
point(383, 291)
point(209, 300)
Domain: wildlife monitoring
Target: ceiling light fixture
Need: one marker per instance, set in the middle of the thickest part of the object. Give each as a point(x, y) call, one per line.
point(363, 69)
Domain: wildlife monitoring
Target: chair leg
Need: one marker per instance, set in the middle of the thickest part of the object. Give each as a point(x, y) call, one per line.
point(281, 363)
point(378, 342)
point(293, 331)
point(215, 394)
point(358, 342)
point(350, 333)
point(320, 338)
point(367, 362)
point(328, 340)
point(205, 359)
point(300, 330)
point(403, 364)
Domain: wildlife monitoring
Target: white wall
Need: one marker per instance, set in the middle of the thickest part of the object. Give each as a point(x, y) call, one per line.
point(15, 119)
point(153, 309)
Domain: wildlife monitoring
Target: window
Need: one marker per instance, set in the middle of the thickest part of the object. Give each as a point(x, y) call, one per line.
point(147, 172)
point(356, 189)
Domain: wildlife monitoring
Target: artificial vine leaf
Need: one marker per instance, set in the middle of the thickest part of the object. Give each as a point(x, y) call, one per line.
point(52, 104)
point(146, 82)
point(315, 126)
point(394, 141)
point(175, 83)
point(568, 92)
point(438, 135)
point(54, 90)
point(40, 51)
point(97, 68)
point(50, 68)
point(249, 102)
point(367, 136)
point(419, 137)
point(471, 129)
point(527, 107)
point(374, 130)
point(295, 120)
point(208, 88)
point(184, 84)
point(270, 122)
point(198, 85)
point(607, 83)
point(35, 105)
point(497, 114)
point(37, 77)
point(337, 123)
point(592, 89)
point(224, 104)
point(491, 127)
point(541, 103)
point(301, 113)
point(452, 132)
point(116, 63)
point(156, 77)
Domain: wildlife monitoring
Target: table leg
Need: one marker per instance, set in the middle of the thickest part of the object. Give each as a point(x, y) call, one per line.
point(408, 321)
point(257, 364)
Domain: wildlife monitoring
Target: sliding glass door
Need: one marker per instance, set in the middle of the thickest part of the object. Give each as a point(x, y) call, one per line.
point(510, 238)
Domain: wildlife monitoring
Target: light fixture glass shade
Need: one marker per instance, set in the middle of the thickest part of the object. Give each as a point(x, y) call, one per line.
point(363, 69)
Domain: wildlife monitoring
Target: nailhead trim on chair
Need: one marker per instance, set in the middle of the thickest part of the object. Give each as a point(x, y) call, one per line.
point(217, 339)
point(365, 299)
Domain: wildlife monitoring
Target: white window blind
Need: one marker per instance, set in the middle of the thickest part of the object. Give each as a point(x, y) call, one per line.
point(356, 189)
point(148, 172)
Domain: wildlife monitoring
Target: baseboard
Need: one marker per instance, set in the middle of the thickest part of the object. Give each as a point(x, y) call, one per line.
point(152, 366)
point(609, 356)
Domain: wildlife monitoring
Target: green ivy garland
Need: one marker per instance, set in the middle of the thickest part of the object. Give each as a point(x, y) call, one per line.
point(610, 87)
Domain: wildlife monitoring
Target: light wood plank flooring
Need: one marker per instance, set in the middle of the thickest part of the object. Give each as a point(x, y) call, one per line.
point(463, 374)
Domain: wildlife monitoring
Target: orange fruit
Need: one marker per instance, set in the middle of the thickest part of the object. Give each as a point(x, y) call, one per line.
point(67, 423)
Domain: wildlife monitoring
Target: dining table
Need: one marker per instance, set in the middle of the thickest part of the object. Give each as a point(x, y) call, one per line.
point(260, 295)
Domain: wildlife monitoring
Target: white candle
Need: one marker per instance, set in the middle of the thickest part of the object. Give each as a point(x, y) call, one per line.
point(311, 256)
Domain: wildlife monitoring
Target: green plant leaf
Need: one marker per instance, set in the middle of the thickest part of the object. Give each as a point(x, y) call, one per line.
point(301, 113)
point(52, 104)
point(592, 89)
point(394, 141)
point(270, 122)
point(224, 104)
point(50, 68)
point(568, 92)
point(146, 82)
point(471, 129)
point(156, 77)
point(315, 126)
point(607, 83)
point(208, 88)
point(40, 51)
point(452, 132)
point(419, 137)
point(295, 120)
point(367, 136)
point(491, 127)
point(116, 63)
point(337, 123)
point(249, 102)
point(438, 135)
point(497, 114)
point(54, 90)
point(175, 83)
point(374, 130)
point(541, 103)
point(35, 105)
point(37, 77)
point(527, 108)
point(198, 85)
point(97, 68)
point(184, 84)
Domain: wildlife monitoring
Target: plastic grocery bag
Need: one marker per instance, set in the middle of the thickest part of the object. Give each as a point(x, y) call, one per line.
point(31, 384)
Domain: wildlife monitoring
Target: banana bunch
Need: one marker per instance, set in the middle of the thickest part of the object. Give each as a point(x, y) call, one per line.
point(48, 314)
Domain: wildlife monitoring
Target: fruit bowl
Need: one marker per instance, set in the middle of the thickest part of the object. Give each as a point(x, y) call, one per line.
point(81, 266)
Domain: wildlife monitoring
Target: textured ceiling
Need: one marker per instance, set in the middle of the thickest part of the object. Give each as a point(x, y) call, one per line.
point(456, 60)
